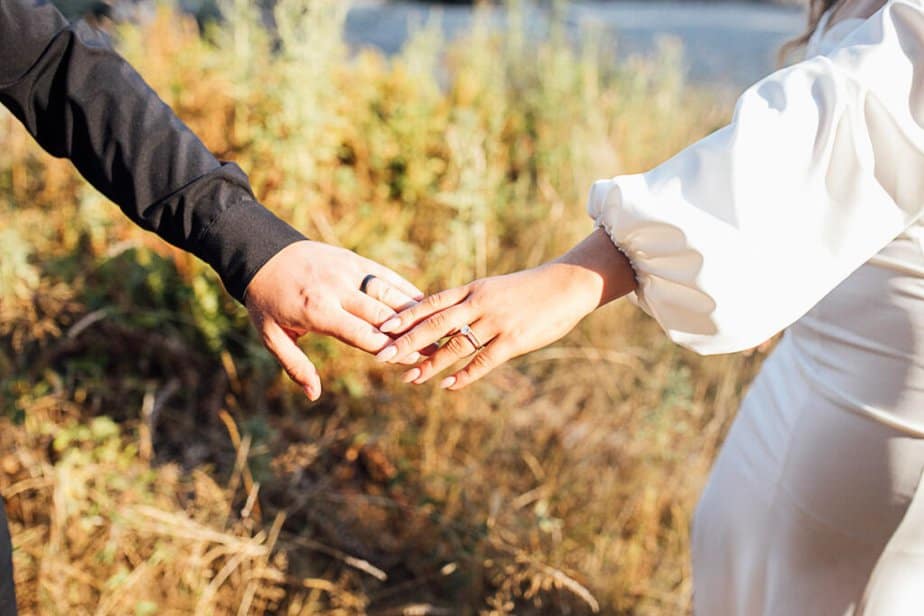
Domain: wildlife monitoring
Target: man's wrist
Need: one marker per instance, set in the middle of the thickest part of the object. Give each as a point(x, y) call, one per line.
point(243, 239)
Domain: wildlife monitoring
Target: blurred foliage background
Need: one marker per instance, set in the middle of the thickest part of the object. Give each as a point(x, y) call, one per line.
point(153, 458)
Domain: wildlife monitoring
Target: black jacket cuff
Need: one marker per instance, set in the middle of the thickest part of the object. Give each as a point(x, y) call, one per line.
point(217, 218)
point(244, 237)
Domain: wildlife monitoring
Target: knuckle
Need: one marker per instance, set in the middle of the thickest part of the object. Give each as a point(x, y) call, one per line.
point(390, 295)
point(483, 361)
point(438, 322)
point(410, 342)
point(383, 314)
point(518, 331)
point(479, 287)
point(501, 351)
point(399, 301)
point(385, 293)
point(318, 310)
point(457, 345)
point(295, 371)
point(306, 297)
point(413, 314)
point(475, 295)
point(434, 301)
point(491, 323)
point(431, 301)
point(409, 338)
point(404, 344)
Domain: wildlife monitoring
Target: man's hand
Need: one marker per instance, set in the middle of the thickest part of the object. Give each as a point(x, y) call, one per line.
point(311, 287)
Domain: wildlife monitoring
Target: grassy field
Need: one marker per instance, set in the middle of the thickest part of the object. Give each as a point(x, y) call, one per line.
point(153, 458)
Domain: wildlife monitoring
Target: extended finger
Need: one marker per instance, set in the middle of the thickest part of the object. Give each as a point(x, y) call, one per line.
point(456, 348)
point(484, 362)
point(354, 331)
point(387, 293)
point(431, 330)
point(427, 307)
point(374, 313)
point(396, 280)
point(292, 359)
point(367, 308)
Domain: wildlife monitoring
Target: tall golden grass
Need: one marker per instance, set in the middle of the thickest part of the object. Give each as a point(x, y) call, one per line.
point(155, 461)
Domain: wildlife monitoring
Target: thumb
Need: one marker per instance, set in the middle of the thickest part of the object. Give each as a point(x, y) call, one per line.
point(292, 359)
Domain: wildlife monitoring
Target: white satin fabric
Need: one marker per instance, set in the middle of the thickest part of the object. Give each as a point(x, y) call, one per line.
point(743, 232)
point(804, 211)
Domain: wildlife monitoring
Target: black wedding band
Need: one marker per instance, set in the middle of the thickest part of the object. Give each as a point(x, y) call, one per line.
point(364, 285)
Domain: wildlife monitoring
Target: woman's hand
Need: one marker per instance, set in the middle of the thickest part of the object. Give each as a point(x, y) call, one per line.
point(510, 315)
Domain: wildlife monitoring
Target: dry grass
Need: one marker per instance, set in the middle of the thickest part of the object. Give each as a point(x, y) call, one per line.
point(154, 460)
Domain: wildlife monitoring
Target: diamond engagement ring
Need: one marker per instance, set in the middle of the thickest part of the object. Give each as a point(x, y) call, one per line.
point(466, 331)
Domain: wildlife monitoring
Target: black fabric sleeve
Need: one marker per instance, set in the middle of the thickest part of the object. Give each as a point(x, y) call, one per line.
point(82, 101)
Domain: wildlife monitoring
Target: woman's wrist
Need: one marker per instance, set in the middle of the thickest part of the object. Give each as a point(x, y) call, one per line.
point(595, 272)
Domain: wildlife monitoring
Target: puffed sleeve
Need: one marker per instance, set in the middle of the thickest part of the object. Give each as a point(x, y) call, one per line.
point(743, 232)
point(82, 101)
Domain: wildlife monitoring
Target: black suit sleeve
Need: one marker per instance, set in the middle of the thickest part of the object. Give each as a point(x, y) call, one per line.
point(82, 101)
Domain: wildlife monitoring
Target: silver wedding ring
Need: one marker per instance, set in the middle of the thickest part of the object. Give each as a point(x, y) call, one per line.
point(466, 331)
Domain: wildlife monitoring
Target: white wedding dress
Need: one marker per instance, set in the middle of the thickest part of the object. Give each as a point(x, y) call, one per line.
point(804, 213)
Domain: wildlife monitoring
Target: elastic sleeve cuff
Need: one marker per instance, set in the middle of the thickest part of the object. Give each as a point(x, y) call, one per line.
point(668, 269)
point(613, 219)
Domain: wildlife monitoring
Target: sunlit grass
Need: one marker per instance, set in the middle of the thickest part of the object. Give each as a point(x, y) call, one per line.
point(157, 462)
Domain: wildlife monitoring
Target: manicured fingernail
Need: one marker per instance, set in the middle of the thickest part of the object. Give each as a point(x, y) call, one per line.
point(413, 358)
point(387, 353)
point(448, 382)
point(411, 375)
point(390, 325)
point(309, 391)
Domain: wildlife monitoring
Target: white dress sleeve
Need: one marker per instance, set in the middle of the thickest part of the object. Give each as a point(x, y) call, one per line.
point(822, 166)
